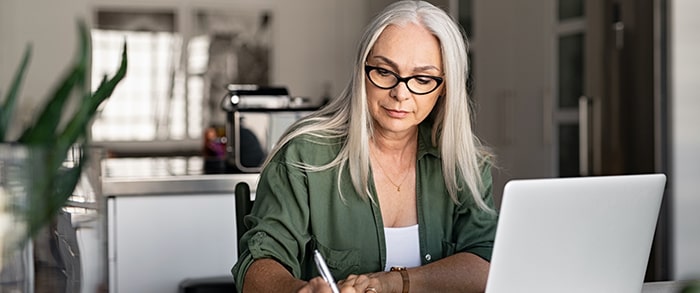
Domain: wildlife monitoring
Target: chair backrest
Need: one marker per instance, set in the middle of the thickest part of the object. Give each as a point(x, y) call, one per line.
point(222, 284)
point(243, 206)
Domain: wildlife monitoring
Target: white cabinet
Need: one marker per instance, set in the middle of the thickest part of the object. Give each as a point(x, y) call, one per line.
point(157, 241)
point(165, 229)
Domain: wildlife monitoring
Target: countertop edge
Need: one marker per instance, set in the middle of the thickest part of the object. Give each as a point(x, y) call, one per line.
point(174, 185)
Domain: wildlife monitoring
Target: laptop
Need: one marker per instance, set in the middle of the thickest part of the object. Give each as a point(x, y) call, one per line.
point(584, 234)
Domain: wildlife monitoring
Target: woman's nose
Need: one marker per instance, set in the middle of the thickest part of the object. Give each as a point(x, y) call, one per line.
point(401, 92)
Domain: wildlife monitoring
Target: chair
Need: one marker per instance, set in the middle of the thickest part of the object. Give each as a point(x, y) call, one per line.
point(224, 283)
point(243, 206)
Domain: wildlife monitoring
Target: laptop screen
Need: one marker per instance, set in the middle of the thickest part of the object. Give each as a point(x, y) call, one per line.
point(585, 234)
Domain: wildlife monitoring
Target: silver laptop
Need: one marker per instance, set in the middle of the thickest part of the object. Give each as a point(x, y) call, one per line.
point(586, 234)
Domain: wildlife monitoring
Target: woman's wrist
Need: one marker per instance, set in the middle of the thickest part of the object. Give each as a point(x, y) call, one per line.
point(404, 278)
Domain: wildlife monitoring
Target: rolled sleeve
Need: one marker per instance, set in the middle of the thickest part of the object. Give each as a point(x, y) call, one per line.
point(278, 222)
point(476, 228)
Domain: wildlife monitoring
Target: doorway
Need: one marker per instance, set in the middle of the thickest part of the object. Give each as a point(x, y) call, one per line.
point(609, 117)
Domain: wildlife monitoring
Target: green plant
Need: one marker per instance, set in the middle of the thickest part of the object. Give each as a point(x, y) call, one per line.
point(56, 130)
point(692, 287)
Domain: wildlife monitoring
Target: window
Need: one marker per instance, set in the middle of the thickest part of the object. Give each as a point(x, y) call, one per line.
point(175, 80)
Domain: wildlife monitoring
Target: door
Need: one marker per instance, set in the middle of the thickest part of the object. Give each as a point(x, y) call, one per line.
point(567, 88)
point(571, 34)
point(607, 112)
point(619, 88)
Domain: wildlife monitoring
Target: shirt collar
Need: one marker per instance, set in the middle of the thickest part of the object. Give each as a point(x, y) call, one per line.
point(425, 145)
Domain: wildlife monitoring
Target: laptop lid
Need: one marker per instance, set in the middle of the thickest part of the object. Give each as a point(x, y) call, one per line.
point(585, 234)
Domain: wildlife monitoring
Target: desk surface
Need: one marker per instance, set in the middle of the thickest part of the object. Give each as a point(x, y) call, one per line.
point(666, 287)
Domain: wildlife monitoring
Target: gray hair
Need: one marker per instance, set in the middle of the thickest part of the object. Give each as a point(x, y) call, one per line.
point(348, 115)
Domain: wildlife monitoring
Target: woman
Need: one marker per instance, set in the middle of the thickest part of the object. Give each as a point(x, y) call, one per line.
point(388, 175)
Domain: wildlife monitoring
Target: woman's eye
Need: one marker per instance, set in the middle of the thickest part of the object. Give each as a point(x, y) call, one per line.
point(423, 79)
point(383, 72)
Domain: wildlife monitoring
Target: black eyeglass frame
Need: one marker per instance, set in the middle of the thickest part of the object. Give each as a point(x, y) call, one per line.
point(399, 79)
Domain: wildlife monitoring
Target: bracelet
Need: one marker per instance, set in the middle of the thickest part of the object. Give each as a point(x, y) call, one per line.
point(404, 277)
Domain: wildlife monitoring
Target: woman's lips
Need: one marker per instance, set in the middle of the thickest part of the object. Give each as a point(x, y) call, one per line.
point(396, 113)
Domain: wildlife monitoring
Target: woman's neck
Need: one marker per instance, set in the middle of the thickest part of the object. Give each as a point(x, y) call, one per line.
point(399, 147)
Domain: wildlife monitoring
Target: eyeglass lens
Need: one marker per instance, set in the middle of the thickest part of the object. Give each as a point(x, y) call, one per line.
point(418, 84)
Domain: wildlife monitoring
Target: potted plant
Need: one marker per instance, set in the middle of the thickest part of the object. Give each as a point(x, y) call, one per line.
point(35, 181)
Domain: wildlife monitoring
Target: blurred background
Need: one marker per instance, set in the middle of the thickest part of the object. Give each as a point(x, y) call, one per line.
point(561, 88)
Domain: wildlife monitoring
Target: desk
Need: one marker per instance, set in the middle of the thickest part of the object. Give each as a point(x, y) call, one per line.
point(665, 287)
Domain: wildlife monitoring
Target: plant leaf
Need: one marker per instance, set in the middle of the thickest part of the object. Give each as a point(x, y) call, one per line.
point(78, 126)
point(51, 199)
point(44, 130)
point(8, 107)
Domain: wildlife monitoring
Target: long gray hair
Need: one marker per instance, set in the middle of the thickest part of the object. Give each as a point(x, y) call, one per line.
point(348, 115)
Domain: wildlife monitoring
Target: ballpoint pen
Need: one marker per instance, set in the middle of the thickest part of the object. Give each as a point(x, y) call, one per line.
point(325, 272)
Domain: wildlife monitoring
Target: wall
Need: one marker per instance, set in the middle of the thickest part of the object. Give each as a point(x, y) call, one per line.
point(685, 136)
point(510, 53)
point(50, 27)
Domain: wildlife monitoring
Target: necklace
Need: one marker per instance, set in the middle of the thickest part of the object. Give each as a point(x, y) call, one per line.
point(398, 186)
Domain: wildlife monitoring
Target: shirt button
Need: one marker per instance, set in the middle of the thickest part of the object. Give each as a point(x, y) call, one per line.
point(428, 257)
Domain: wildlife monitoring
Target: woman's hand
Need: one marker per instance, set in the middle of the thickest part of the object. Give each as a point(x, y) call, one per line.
point(316, 285)
point(371, 283)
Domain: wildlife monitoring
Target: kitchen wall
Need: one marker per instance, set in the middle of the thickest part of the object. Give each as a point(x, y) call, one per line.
point(50, 27)
point(684, 68)
point(511, 64)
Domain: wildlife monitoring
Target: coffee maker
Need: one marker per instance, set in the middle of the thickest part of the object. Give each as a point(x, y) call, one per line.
point(256, 117)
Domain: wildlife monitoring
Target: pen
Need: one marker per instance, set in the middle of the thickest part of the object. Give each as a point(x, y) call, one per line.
point(325, 272)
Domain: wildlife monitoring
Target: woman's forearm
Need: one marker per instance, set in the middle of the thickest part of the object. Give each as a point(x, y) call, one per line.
point(462, 272)
point(262, 271)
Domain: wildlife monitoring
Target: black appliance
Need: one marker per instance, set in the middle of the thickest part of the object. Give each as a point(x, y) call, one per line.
point(256, 118)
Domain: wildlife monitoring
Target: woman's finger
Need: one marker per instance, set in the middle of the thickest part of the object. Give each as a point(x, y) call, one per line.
point(349, 281)
point(315, 285)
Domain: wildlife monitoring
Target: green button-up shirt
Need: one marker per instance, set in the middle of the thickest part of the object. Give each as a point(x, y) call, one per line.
point(297, 211)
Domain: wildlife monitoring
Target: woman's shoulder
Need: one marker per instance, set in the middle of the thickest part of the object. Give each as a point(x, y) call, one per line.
point(311, 148)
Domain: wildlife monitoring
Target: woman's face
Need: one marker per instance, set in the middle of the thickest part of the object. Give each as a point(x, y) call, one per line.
point(406, 50)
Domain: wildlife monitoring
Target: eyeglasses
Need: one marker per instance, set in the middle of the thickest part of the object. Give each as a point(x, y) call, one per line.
point(417, 84)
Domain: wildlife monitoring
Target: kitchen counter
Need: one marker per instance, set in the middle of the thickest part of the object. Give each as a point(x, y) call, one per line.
point(166, 175)
point(162, 213)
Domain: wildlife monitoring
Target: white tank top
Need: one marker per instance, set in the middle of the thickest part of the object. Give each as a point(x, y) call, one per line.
point(402, 247)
